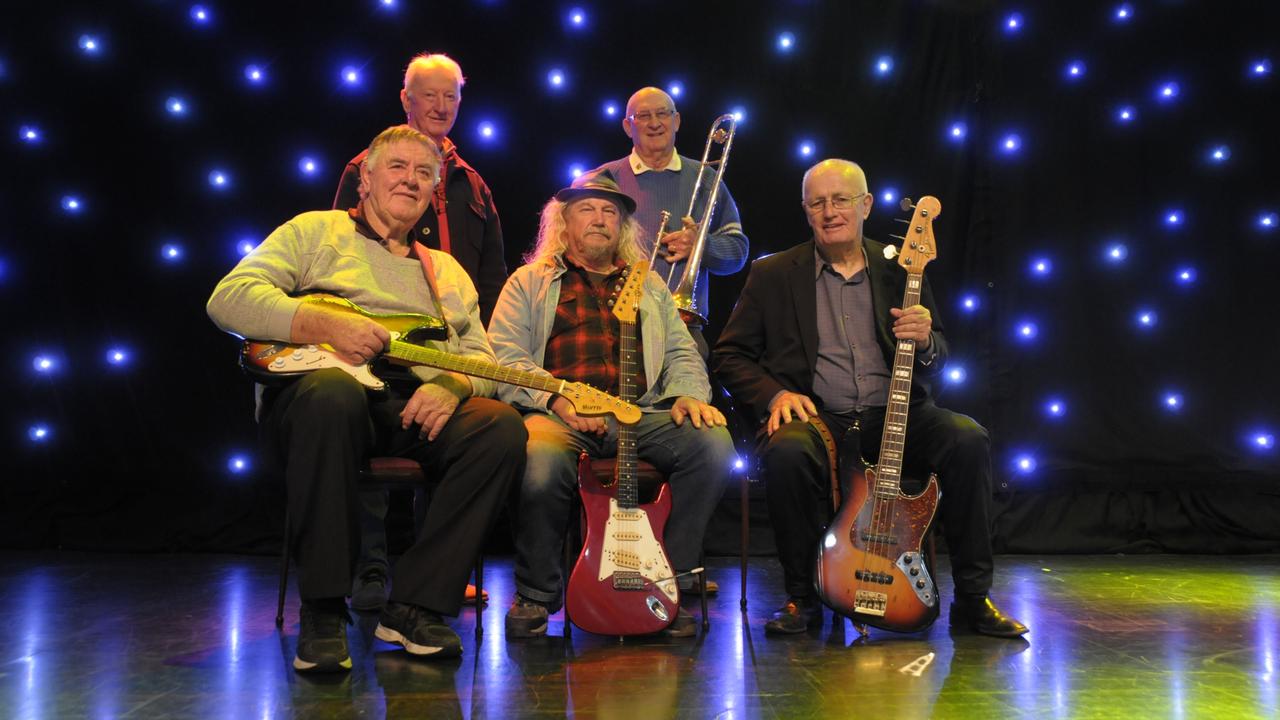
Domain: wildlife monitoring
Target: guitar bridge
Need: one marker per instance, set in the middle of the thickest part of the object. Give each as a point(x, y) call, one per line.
point(870, 603)
point(623, 580)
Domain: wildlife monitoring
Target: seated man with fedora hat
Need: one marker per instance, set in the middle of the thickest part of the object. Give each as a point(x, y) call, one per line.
point(554, 315)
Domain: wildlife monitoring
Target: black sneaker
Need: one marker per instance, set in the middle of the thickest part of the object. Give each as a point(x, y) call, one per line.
point(420, 631)
point(526, 618)
point(322, 639)
point(369, 591)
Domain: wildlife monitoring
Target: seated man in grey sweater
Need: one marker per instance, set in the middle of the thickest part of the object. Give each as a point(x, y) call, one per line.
point(324, 424)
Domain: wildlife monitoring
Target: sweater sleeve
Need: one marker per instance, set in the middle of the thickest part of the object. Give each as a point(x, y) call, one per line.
point(253, 301)
point(727, 246)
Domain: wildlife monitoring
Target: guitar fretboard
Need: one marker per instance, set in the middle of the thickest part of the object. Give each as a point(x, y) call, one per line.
point(889, 467)
point(628, 494)
point(471, 366)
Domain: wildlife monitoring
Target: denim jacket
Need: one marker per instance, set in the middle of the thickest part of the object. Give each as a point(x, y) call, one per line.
point(522, 322)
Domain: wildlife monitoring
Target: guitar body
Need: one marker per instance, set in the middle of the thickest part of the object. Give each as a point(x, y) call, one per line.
point(269, 362)
point(870, 568)
point(621, 583)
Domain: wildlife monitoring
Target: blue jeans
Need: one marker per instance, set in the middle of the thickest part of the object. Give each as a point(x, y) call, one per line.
point(697, 463)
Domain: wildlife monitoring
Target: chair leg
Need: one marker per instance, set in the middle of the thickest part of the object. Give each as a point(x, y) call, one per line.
point(745, 486)
point(284, 572)
point(575, 515)
point(479, 595)
point(706, 619)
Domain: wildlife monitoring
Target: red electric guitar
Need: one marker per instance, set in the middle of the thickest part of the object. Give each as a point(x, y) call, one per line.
point(622, 583)
point(870, 568)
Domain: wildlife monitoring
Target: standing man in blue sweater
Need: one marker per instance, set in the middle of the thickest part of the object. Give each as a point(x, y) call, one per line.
point(661, 179)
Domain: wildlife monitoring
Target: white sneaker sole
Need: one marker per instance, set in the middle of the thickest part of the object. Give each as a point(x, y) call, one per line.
point(386, 634)
point(304, 666)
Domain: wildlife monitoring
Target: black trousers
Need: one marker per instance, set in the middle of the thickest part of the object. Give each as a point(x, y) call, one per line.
point(798, 487)
point(325, 425)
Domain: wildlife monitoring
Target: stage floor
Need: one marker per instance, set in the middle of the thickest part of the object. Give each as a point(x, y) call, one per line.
point(190, 636)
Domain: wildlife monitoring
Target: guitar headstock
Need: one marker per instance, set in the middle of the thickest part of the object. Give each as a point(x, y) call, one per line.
point(587, 400)
point(628, 299)
point(918, 245)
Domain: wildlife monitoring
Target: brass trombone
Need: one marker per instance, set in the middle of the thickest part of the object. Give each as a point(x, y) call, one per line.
point(684, 292)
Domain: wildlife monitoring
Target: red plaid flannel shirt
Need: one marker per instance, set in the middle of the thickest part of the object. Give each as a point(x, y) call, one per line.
point(585, 341)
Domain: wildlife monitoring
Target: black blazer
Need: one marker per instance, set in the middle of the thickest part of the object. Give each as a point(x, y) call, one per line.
point(770, 343)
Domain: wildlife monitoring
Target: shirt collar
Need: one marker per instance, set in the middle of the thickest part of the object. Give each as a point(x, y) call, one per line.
point(447, 150)
point(638, 167)
point(819, 264)
point(618, 265)
point(365, 229)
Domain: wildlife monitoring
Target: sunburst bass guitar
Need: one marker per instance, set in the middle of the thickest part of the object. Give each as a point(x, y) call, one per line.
point(273, 361)
point(870, 568)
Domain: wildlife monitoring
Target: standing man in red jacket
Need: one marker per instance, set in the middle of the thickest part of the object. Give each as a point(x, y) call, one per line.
point(461, 221)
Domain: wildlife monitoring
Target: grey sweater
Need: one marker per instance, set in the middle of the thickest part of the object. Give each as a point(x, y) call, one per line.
point(322, 252)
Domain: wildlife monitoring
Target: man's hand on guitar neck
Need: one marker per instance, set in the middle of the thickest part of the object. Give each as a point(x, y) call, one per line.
point(355, 338)
point(787, 404)
point(566, 412)
point(914, 323)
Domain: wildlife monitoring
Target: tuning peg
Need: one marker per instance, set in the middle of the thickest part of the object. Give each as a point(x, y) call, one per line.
point(898, 237)
point(906, 204)
point(890, 252)
point(902, 220)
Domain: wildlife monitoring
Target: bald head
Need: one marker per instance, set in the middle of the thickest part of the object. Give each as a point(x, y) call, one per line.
point(848, 172)
point(836, 203)
point(650, 97)
point(651, 123)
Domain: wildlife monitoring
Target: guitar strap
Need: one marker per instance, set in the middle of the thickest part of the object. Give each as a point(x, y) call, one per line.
point(832, 457)
point(429, 270)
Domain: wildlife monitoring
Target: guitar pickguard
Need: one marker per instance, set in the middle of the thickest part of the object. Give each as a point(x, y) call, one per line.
point(305, 358)
point(630, 549)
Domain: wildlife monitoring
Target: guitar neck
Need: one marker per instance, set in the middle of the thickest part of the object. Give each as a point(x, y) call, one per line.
point(430, 357)
point(892, 442)
point(628, 496)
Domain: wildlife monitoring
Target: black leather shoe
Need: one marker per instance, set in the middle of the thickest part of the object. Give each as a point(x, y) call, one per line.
point(793, 618)
point(982, 616)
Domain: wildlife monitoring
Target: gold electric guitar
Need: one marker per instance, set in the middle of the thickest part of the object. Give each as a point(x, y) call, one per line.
point(270, 361)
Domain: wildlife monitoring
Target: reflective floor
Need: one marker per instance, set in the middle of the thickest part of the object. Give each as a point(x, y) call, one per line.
point(109, 636)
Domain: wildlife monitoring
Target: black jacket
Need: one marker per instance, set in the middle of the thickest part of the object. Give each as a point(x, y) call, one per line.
point(770, 343)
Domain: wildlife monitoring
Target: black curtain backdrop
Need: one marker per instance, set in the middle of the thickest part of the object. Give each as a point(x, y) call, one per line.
point(136, 456)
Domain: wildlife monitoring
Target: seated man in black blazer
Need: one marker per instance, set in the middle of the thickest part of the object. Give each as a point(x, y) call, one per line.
point(813, 335)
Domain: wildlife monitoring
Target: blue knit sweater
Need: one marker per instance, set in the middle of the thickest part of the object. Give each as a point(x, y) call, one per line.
point(655, 191)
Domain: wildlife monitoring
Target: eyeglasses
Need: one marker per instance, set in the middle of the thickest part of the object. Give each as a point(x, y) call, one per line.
point(838, 202)
point(644, 117)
